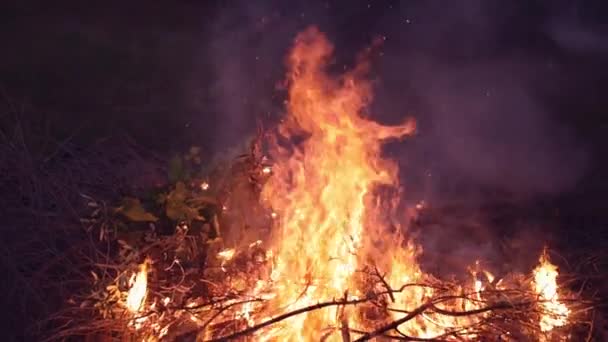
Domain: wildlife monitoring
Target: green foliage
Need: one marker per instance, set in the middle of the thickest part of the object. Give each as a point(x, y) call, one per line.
point(177, 206)
point(215, 199)
point(132, 209)
point(183, 201)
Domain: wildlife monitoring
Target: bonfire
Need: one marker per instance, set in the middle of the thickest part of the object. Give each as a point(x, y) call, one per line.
point(335, 262)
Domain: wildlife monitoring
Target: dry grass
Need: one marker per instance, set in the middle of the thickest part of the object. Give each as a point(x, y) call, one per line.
point(42, 181)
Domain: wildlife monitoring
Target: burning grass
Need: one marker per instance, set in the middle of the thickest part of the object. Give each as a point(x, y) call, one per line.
point(336, 263)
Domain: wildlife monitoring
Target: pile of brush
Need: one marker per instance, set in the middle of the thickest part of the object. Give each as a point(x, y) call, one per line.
point(175, 262)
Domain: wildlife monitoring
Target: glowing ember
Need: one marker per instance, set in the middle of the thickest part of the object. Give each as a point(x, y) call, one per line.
point(139, 288)
point(555, 313)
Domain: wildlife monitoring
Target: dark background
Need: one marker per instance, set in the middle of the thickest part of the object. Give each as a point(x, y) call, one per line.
point(510, 96)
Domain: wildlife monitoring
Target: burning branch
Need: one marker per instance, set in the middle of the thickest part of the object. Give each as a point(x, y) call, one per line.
point(287, 315)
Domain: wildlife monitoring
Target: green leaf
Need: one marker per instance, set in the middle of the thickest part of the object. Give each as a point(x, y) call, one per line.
point(177, 170)
point(177, 209)
point(132, 209)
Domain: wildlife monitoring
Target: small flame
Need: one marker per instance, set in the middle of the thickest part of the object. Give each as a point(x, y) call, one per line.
point(204, 186)
point(139, 288)
point(489, 276)
point(226, 254)
point(255, 244)
point(555, 313)
point(266, 170)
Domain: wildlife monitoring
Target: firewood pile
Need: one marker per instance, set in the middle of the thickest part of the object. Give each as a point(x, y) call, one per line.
point(196, 282)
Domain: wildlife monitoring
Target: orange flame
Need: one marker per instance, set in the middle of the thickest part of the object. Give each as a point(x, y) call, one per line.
point(555, 313)
point(139, 288)
point(320, 188)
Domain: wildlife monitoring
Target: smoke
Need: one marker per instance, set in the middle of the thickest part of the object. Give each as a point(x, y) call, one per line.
point(474, 74)
point(244, 56)
point(466, 71)
point(475, 88)
point(578, 29)
point(244, 53)
point(482, 124)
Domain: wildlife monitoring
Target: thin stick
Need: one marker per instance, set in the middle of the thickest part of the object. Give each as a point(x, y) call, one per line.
point(288, 315)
